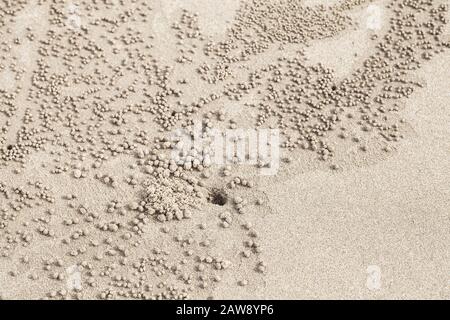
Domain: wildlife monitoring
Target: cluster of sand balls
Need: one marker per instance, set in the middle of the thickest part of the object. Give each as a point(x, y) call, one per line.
point(88, 178)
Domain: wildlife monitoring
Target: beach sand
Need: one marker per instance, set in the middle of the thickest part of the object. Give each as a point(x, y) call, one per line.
point(100, 199)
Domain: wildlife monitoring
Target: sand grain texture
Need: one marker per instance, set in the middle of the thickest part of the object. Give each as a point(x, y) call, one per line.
point(111, 180)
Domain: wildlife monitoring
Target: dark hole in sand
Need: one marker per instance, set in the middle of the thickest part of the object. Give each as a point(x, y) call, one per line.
point(333, 88)
point(218, 197)
point(9, 147)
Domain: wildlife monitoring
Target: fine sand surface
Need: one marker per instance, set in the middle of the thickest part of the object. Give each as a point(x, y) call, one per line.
point(330, 227)
point(103, 195)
